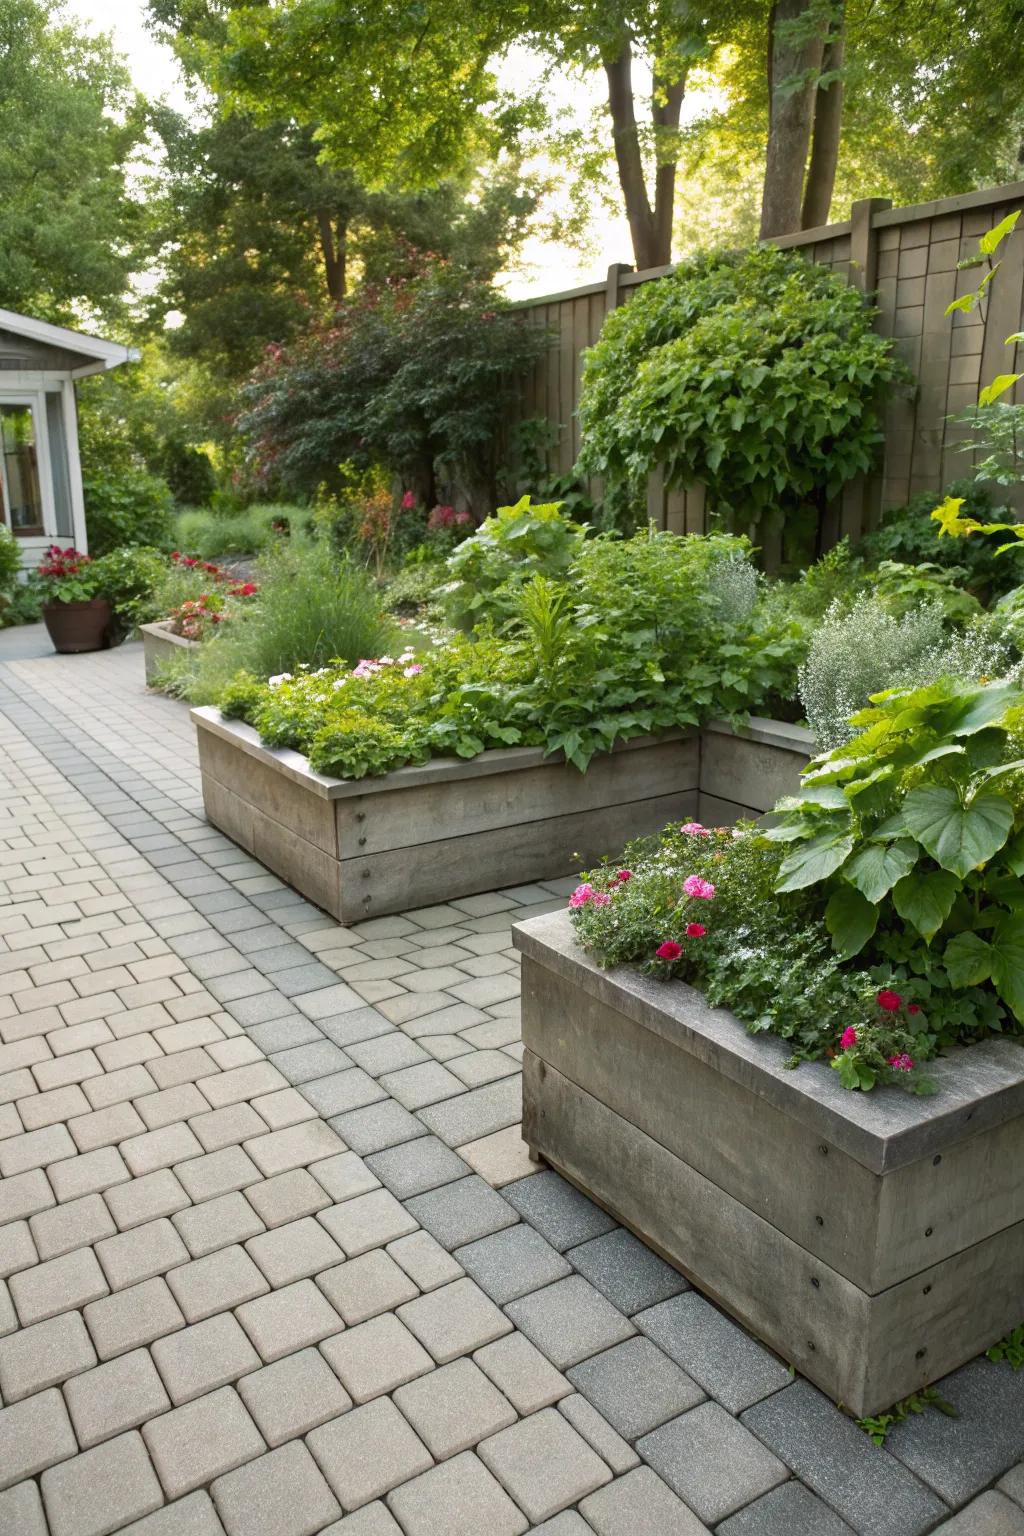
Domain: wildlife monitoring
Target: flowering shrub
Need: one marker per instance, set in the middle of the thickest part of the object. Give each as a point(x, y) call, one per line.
point(196, 618)
point(67, 576)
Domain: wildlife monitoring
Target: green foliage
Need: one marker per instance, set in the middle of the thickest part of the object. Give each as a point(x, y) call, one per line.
point(755, 374)
point(415, 375)
point(487, 569)
point(189, 472)
point(906, 589)
point(10, 561)
point(415, 586)
point(877, 1427)
point(124, 506)
point(24, 606)
point(910, 535)
point(249, 531)
point(129, 579)
point(913, 832)
point(1010, 1349)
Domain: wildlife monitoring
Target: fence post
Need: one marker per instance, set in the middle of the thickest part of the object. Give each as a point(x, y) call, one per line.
point(613, 292)
point(864, 242)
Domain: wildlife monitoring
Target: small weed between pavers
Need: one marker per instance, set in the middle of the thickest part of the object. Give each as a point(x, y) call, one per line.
point(1010, 1349)
point(878, 1427)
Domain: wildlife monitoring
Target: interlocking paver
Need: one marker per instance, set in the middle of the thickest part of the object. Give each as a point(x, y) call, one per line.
point(367, 1452)
point(219, 1223)
point(102, 1489)
point(375, 1357)
point(293, 1251)
point(544, 1464)
point(454, 1408)
point(140, 1253)
point(59, 1285)
point(283, 1492)
point(640, 1504)
point(557, 1209)
point(569, 1321)
point(366, 1286)
point(293, 1396)
point(132, 1317)
point(730, 1365)
point(790, 1510)
point(24, 1195)
point(635, 1386)
point(43, 1355)
point(986, 1436)
point(454, 1320)
point(199, 1441)
point(287, 1197)
point(511, 1263)
point(461, 1212)
point(215, 1282)
point(367, 1221)
point(118, 1395)
point(991, 1514)
point(21, 1510)
point(289, 1319)
point(627, 1272)
point(203, 1357)
point(296, 1146)
point(17, 1248)
point(34, 1434)
point(146, 1199)
point(416, 1166)
point(216, 1128)
point(521, 1372)
point(477, 1113)
point(460, 1498)
point(424, 1260)
point(712, 1462)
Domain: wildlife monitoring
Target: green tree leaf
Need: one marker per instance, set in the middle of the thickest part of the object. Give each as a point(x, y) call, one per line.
point(851, 920)
point(959, 837)
point(877, 867)
point(813, 861)
point(968, 960)
point(925, 901)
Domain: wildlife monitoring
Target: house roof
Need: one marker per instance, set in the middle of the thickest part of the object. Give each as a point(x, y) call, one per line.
point(74, 352)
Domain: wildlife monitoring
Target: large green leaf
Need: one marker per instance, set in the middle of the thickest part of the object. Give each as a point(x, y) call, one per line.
point(1008, 962)
point(975, 711)
point(968, 960)
point(877, 867)
point(926, 900)
point(959, 837)
point(851, 920)
point(814, 860)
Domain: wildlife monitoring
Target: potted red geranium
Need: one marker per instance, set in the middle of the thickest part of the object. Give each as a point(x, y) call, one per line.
point(76, 615)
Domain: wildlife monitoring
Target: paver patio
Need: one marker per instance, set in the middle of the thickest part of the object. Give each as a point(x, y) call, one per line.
point(273, 1260)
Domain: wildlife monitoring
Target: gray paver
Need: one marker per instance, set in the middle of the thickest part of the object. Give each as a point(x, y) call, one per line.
point(992, 1514)
point(34, 1434)
point(344, 1175)
point(146, 1199)
point(220, 1223)
point(132, 1317)
point(730, 1365)
point(293, 1396)
point(520, 1371)
point(958, 1457)
point(21, 1510)
point(376, 1127)
point(866, 1485)
point(287, 1197)
point(293, 1251)
point(454, 1320)
point(790, 1510)
point(628, 1273)
point(364, 1287)
point(424, 1260)
point(569, 1321)
point(191, 1516)
point(58, 1285)
point(118, 1395)
point(17, 1248)
point(201, 1440)
point(367, 1221)
point(141, 1253)
point(289, 1319)
point(454, 1408)
point(640, 1504)
point(475, 1114)
point(220, 1280)
point(283, 1492)
point(511, 1263)
point(636, 1387)
point(460, 1498)
point(102, 1489)
point(413, 1167)
point(544, 1464)
point(557, 1209)
point(712, 1462)
point(375, 1357)
point(208, 1355)
point(372, 1520)
point(367, 1452)
point(461, 1212)
point(598, 1433)
point(41, 1356)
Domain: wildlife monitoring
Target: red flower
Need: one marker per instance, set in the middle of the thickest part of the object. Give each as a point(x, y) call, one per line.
point(848, 1038)
point(408, 501)
point(670, 950)
point(889, 1002)
point(624, 875)
point(913, 1008)
point(695, 930)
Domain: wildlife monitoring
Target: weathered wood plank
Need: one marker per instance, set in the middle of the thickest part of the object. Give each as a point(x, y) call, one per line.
point(262, 784)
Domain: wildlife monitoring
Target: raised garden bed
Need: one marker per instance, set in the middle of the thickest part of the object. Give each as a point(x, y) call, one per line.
point(452, 827)
point(876, 1241)
point(159, 645)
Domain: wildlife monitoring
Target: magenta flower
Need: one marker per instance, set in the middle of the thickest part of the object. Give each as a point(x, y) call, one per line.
point(670, 950)
point(600, 898)
point(624, 875)
point(889, 1002)
point(848, 1039)
point(902, 1062)
point(702, 890)
point(695, 930)
point(408, 501)
point(694, 829)
point(581, 895)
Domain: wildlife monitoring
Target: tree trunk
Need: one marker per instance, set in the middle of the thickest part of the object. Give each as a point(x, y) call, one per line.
point(666, 117)
point(333, 250)
point(791, 112)
point(828, 115)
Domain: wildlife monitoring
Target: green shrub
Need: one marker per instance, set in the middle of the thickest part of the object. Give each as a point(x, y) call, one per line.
point(904, 589)
point(756, 374)
point(10, 561)
point(125, 505)
point(416, 586)
point(211, 535)
point(129, 579)
point(505, 551)
point(910, 534)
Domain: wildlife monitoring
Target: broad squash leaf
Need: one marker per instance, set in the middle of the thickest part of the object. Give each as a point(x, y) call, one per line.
point(925, 901)
point(851, 920)
point(877, 867)
point(1008, 962)
point(968, 960)
point(814, 860)
point(959, 837)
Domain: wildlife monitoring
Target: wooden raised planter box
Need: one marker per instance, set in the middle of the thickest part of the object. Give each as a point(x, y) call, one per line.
point(875, 1241)
point(159, 645)
point(452, 827)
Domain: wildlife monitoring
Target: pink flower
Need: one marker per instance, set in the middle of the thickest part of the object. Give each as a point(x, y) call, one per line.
point(703, 890)
point(889, 1002)
point(694, 829)
point(408, 501)
point(695, 930)
point(413, 671)
point(902, 1062)
point(600, 898)
point(624, 875)
point(848, 1038)
point(669, 951)
point(581, 895)
point(913, 1008)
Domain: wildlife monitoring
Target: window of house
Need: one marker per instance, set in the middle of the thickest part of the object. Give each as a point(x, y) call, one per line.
point(21, 503)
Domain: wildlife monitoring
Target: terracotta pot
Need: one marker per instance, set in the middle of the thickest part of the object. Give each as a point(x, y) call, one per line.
point(77, 627)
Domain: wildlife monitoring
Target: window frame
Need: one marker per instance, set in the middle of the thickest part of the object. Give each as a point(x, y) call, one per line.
point(35, 401)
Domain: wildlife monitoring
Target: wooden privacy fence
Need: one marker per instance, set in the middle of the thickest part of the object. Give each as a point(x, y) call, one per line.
point(908, 258)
